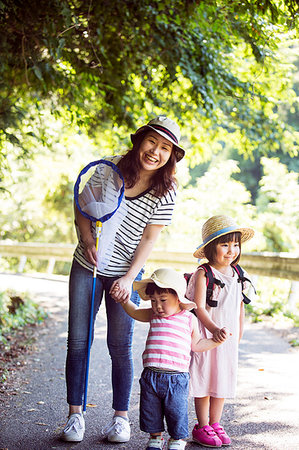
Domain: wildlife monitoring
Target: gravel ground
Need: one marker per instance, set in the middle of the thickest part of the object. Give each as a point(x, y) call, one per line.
point(264, 415)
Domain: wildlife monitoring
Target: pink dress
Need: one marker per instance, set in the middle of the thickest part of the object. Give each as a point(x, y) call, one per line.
point(214, 373)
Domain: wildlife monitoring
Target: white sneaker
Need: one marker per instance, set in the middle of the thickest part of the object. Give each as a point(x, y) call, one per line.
point(176, 444)
point(155, 443)
point(74, 429)
point(118, 430)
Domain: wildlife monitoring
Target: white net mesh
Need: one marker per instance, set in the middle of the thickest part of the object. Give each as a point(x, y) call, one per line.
point(99, 198)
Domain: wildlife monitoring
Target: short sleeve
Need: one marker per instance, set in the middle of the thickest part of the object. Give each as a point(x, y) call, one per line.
point(162, 214)
point(247, 284)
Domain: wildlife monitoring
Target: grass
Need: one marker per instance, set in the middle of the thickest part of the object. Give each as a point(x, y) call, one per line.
point(271, 303)
point(17, 311)
point(19, 316)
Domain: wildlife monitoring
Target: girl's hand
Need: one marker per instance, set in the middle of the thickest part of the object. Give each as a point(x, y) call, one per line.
point(90, 252)
point(220, 335)
point(121, 289)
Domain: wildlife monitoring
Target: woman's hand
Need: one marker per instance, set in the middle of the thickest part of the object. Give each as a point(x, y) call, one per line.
point(88, 240)
point(90, 252)
point(220, 335)
point(121, 289)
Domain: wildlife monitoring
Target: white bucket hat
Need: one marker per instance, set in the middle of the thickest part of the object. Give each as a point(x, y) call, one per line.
point(165, 278)
point(166, 128)
point(217, 226)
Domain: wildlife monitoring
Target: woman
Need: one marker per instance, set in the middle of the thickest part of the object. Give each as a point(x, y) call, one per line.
point(148, 170)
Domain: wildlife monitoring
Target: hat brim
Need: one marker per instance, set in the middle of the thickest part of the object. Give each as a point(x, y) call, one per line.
point(246, 234)
point(140, 287)
point(179, 151)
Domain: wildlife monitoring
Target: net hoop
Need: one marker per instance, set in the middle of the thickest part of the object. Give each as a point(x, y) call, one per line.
point(77, 184)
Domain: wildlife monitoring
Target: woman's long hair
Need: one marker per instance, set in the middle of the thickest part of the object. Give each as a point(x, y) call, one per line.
point(162, 181)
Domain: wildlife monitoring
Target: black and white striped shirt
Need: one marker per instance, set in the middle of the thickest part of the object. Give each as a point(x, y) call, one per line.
point(145, 209)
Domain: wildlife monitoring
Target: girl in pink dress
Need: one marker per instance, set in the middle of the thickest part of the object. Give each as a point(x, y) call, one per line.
point(214, 373)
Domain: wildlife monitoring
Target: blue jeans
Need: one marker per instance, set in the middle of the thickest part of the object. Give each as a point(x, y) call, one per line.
point(164, 395)
point(120, 328)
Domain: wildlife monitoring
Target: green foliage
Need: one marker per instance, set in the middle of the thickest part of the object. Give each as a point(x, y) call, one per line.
point(271, 301)
point(40, 193)
point(102, 65)
point(16, 312)
point(216, 192)
point(278, 207)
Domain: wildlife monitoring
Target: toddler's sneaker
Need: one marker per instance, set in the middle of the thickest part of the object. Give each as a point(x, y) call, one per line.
point(219, 430)
point(74, 429)
point(206, 436)
point(155, 443)
point(118, 430)
point(176, 444)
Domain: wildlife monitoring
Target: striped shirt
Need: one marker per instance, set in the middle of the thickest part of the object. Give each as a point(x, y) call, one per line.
point(145, 209)
point(168, 344)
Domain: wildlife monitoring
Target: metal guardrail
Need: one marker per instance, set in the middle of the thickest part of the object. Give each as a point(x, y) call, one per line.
point(277, 265)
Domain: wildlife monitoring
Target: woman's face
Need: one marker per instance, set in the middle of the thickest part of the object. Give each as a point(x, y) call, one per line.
point(154, 151)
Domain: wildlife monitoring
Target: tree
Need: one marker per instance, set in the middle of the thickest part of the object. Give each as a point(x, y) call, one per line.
point(278, 206)
point(216, 192)
point(100, 63)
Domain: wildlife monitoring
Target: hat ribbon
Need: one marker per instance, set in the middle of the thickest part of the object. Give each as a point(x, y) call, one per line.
point(217, 233)
point(165, 130)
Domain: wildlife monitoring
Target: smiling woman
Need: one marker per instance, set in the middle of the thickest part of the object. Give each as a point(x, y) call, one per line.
point(160, 130)
point(148, 170)
point(154, 151)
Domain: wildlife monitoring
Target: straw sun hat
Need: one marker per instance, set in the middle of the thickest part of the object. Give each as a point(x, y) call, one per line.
point(166, 128)
point(165, 278)
point(218, 226)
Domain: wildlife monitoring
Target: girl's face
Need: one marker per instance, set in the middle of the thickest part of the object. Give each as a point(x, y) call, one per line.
point(154, 151)
point(226, 252)
point(165, 304)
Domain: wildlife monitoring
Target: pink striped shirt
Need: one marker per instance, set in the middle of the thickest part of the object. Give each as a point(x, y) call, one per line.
point(168, 343)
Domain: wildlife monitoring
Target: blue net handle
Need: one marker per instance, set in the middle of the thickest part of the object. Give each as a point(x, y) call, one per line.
point(76, 190)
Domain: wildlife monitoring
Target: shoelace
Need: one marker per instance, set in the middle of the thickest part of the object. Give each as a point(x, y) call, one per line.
point(73, 422)
point(116, 425)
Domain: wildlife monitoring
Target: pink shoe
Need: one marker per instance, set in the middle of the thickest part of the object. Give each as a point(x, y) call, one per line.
point(206, 436)
point(221, 433)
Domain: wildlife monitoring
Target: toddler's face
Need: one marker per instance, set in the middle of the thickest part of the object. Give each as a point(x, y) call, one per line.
point(165, 304)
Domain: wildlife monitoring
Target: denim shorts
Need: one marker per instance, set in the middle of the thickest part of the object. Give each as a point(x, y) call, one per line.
point(164, 395)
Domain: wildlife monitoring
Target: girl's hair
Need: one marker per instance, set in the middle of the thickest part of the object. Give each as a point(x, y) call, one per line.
point(151, 288)
point(210, 249)
point(162, 181)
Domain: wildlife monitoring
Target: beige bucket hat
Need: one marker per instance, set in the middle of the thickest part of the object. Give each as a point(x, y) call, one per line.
point(165, 278)
point(217, 226)
point(166, 128)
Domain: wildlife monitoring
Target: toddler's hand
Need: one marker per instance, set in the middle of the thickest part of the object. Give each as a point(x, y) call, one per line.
point(121, 290)
point(113, 291)
point(220, 335)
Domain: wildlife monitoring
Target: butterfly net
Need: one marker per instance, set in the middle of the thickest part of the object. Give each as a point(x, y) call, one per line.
point(99, 196)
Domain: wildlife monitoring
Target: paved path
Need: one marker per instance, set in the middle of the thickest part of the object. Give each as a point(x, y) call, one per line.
point(265, 414)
